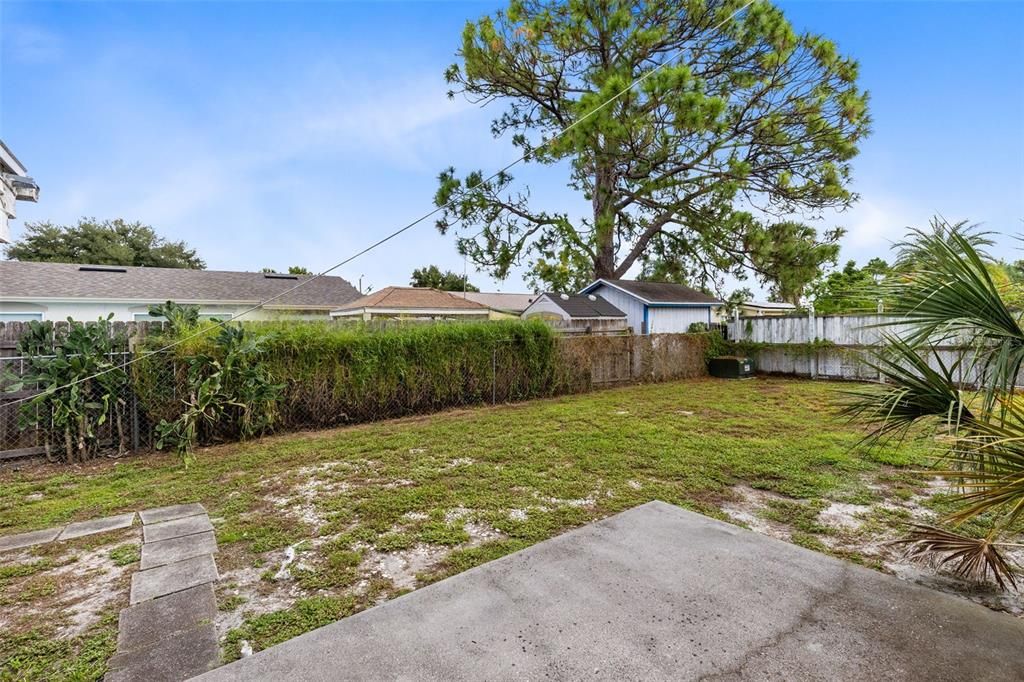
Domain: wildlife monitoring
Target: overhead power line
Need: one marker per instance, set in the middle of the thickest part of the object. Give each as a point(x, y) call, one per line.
point(397, 232)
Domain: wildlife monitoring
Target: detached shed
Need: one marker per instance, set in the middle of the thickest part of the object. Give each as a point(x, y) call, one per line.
point(577, 312)
point(656, 307)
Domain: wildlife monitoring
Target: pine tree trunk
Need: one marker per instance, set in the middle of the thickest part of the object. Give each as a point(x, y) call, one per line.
point(604, 219)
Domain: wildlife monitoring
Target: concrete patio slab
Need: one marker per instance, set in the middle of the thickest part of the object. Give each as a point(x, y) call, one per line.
point(167, 530)
point(82, 528)
point(177, 511)
point(177, 549)
point(22, 540)
point(163, 580)
point(172, 659)
point(657, 593)
point(151, 621)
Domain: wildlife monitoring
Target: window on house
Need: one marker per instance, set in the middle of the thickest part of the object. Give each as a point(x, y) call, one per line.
point(20, 317)
point(146, 317)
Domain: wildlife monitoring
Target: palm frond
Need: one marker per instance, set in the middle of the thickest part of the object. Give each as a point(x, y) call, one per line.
point(946, 294)
point(943, 294)
point(913, 391)
point(990, 474)
point(975, 559)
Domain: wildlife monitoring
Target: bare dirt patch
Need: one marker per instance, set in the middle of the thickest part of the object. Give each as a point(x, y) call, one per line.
point(863, 532)
point(402, 567)
point(65, 585)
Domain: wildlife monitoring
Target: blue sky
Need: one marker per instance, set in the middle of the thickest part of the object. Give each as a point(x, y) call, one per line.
point(277, 134)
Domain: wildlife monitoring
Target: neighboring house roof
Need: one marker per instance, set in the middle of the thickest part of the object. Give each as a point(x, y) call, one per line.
point(513, 303)
point(768, 305)
point(9, 162)
point(21, 281)
point(657, 292)
point(580, 306)
point(411, 299)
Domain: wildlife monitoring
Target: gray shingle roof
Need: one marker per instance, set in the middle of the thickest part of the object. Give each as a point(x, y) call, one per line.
point(412, 298)
point(661, 292)
point(581, 305)
point(70, 281)
point(515, 303)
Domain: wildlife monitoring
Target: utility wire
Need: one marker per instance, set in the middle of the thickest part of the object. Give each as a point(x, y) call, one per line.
point(392, 235)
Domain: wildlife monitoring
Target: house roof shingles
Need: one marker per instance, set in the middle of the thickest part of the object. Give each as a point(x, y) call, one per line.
point(69, 281)
point(583, 306)
point(514, 303)
point(661, 292)
point(413, 298)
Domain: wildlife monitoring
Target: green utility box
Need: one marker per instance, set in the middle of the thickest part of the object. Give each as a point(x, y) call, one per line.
point(731, 367)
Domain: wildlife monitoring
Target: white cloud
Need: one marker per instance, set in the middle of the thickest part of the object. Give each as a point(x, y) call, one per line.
point(28, 44)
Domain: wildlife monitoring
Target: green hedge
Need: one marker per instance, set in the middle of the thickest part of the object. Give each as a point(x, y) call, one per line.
point(334, 374)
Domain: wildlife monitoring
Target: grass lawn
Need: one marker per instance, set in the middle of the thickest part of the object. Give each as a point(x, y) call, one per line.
point(375, 510)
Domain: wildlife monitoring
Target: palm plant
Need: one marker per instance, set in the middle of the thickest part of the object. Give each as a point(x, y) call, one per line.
point(945, 297)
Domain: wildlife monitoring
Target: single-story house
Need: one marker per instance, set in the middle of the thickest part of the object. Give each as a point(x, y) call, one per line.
point(577, 313)
point(503, 306)
point(656, 307)
point(755, 309)
point(56, 291)
point(413, 303)
point(765, 309)
point(15, 185)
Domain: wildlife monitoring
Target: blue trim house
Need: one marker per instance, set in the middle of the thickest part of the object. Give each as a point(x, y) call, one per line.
point(656, 307)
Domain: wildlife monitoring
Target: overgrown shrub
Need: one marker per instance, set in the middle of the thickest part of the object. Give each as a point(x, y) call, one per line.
point(81, 384)
point(331, 374)
point(231, 392)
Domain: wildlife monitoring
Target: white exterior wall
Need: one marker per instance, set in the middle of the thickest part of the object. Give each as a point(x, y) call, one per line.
point(543, 305)
point(675, 320)
point(633, 308)
point(90, 311)
point(660, 320)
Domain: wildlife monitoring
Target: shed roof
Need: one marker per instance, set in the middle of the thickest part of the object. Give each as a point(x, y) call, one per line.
point(71, 281)
point(656, 292)
point(413, 298)
point(584, 306)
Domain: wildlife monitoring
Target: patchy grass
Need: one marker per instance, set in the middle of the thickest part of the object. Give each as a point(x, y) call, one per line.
point(123, 555)
point(374, 510)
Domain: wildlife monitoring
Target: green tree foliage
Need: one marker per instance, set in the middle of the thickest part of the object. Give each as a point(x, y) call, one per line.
point(788, 256)
point(111, 242)
point(432, 276)
point(850, 290)
point(946, 295)
point(736, 299)
point(292, 270)
point(744, 109)
point(1009, 279)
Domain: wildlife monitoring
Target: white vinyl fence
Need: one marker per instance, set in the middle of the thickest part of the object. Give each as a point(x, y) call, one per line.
point(853, 337)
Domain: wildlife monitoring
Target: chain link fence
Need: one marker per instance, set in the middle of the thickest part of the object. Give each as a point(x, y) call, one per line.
point(141, 395)
point(100, 415)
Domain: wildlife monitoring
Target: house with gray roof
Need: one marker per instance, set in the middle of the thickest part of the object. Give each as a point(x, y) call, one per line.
point(56, 291)
point(657, 307)
point(504, 304)
point(576, 313)
point(412, 303)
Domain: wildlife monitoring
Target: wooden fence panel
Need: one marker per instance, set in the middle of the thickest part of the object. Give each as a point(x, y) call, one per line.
point(852, 336)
